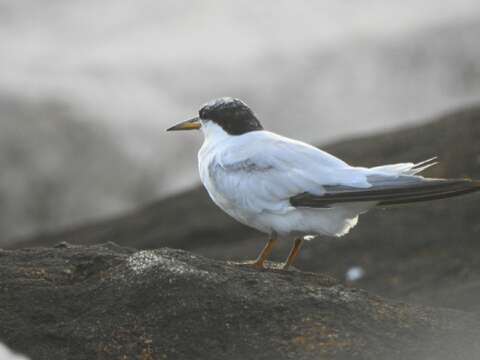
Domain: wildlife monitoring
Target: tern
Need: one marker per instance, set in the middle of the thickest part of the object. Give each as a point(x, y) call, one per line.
point(284, 187)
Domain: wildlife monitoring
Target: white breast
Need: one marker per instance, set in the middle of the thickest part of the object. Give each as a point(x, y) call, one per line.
point(208, 162)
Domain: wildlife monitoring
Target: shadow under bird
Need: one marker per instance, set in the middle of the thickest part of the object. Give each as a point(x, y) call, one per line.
point(284, 187)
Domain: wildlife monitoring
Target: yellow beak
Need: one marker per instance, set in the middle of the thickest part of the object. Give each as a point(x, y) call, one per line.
point(192, 124)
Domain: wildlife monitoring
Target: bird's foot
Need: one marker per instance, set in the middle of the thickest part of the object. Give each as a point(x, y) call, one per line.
point(254, 264)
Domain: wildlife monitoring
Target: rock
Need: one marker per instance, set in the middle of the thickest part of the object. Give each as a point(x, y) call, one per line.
point(424, 253)
point(110, 302)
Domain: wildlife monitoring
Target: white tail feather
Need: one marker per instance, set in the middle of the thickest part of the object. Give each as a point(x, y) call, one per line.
point(423, 165)
point(406, 168)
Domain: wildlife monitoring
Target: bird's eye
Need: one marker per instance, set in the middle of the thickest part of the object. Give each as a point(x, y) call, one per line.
point(205, 114)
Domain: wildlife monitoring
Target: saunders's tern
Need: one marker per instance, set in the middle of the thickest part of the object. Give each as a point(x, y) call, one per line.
point(281, 186)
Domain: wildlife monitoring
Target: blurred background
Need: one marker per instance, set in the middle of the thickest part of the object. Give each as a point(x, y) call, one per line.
point(87, 87)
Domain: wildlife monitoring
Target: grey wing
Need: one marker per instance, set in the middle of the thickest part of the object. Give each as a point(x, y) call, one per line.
point(389, 191)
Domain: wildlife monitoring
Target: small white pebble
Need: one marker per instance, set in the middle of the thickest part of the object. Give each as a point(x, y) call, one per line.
point(141, 261)
point(355, 273)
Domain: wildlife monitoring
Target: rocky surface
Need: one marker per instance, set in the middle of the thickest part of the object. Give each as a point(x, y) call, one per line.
point(425, 253)
point(110, 302)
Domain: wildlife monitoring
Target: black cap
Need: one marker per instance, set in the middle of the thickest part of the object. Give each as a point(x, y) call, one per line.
point(233, 115)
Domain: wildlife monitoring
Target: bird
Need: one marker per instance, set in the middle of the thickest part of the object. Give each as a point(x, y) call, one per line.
point(288, 188)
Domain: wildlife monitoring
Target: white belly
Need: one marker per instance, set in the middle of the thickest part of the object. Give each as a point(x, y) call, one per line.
point(300, 221)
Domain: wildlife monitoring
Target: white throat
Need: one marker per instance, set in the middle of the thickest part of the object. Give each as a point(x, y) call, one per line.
point(213, 132)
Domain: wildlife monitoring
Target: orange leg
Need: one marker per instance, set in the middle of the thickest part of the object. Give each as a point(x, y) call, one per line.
point(293, 253)
point(267, 250)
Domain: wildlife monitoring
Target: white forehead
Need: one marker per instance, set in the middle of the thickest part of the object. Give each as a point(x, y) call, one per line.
point(221, 101)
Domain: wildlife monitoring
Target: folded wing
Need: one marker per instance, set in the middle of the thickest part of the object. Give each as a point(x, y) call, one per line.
point(396, 191)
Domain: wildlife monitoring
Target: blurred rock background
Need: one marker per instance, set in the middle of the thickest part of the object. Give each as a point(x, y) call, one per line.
point(87, 88)
point(57, 170)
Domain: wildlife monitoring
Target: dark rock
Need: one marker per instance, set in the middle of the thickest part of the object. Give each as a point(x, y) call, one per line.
point(109, 302)
point(424, 253)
